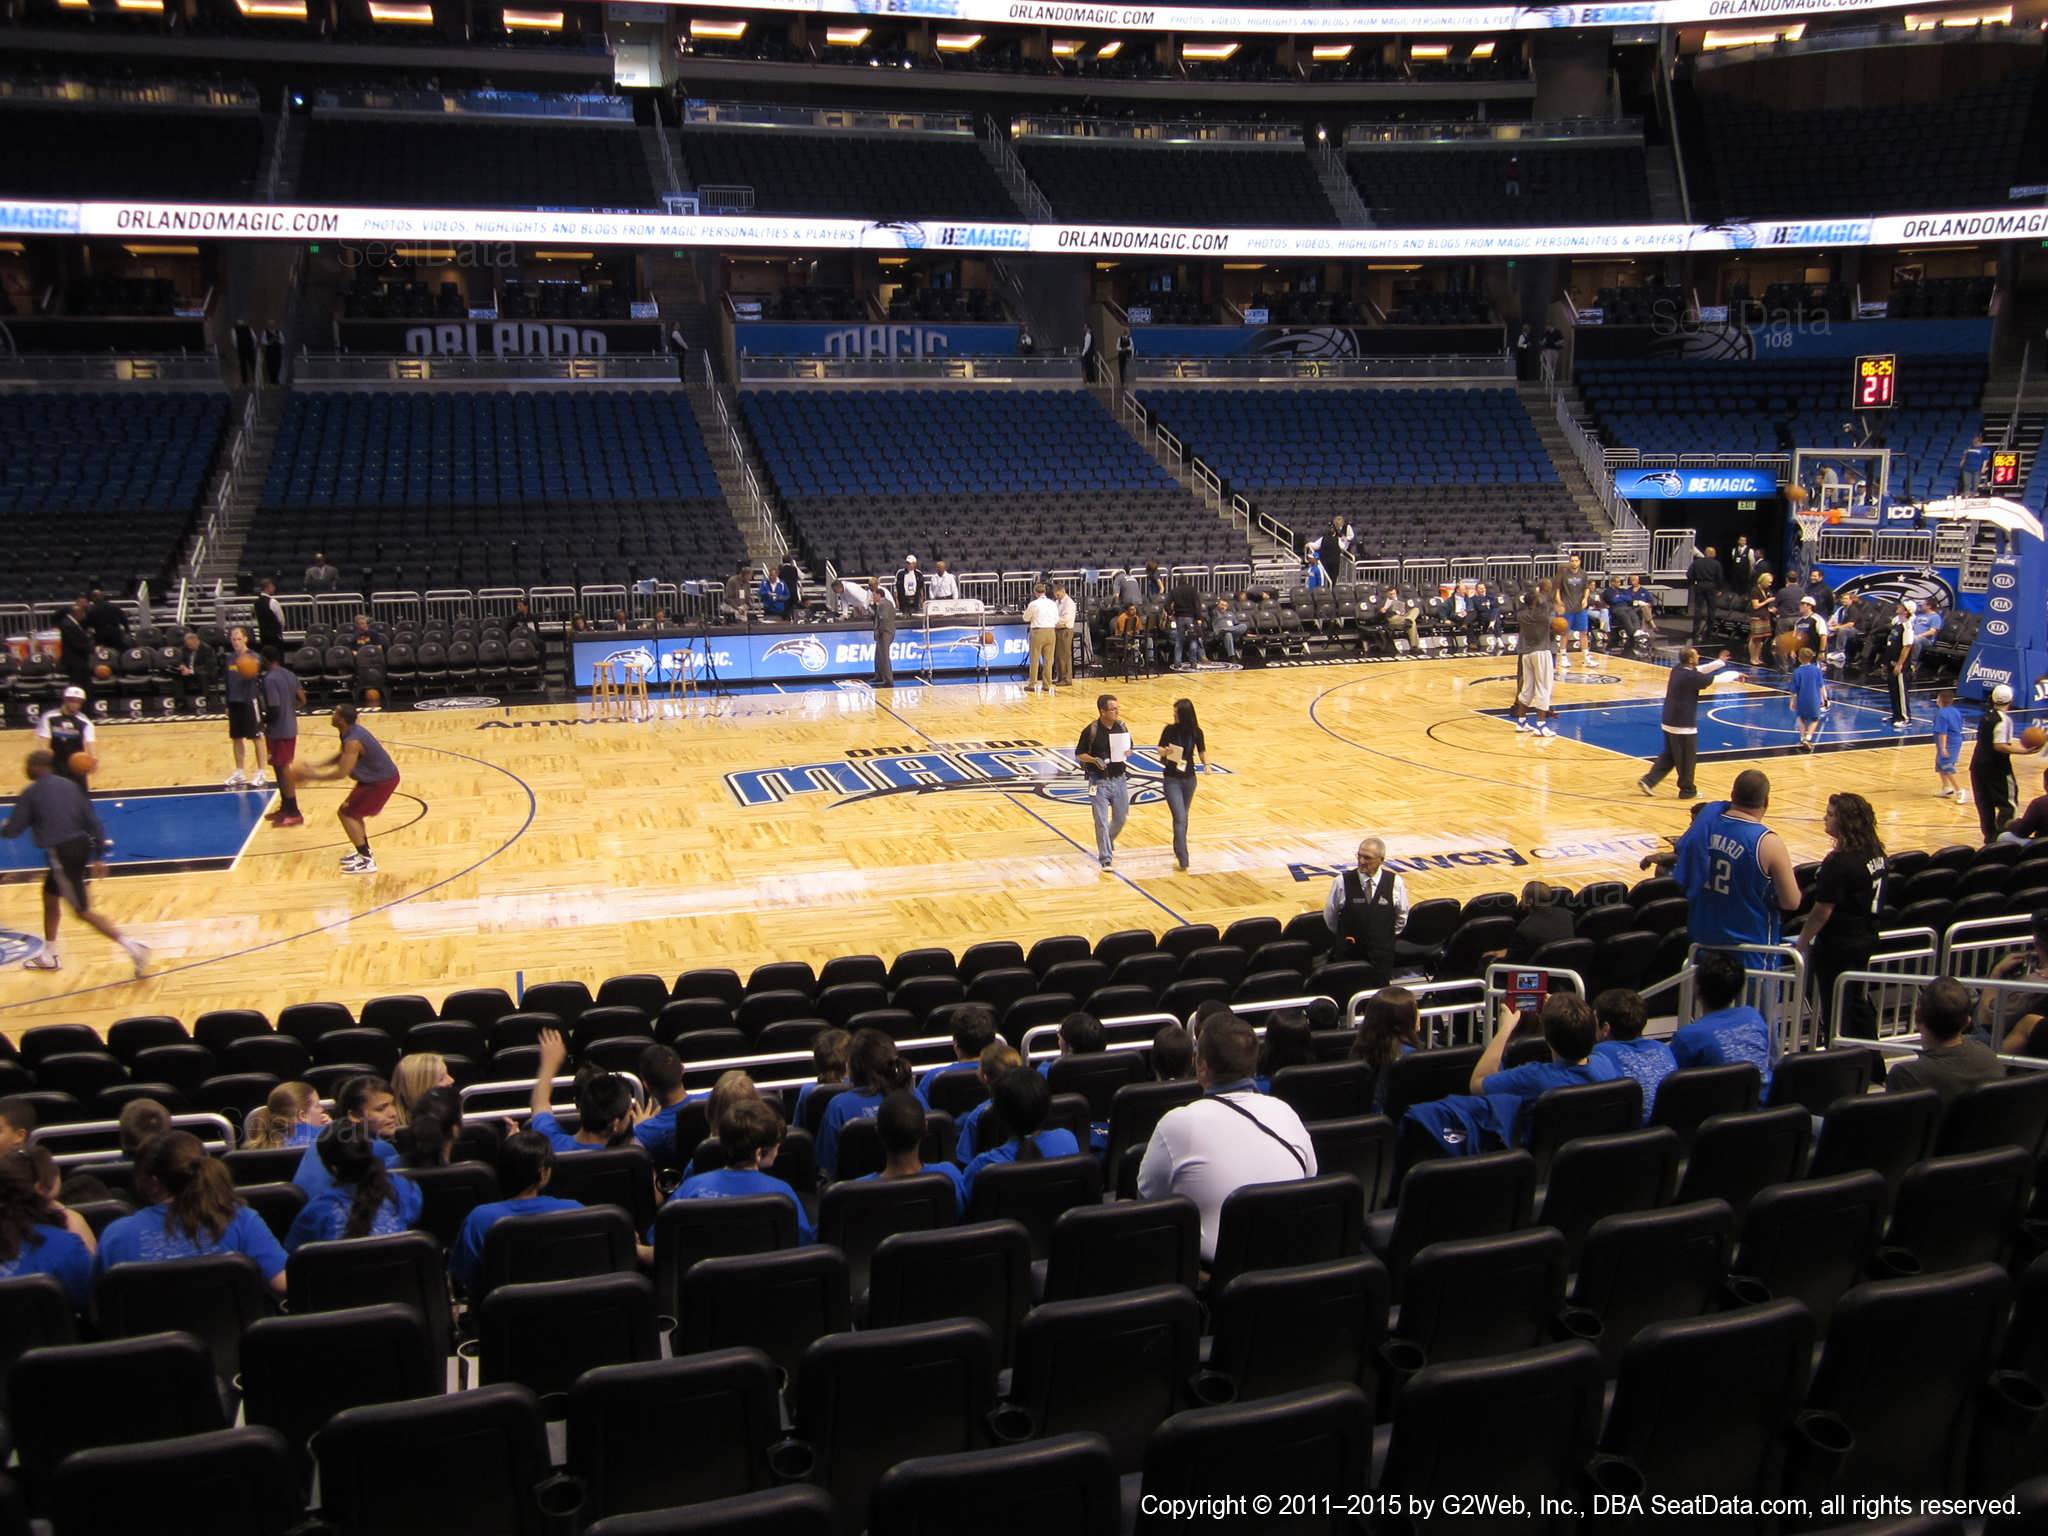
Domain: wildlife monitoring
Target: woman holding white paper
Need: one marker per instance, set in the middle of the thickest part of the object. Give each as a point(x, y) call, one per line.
point(1182, 747)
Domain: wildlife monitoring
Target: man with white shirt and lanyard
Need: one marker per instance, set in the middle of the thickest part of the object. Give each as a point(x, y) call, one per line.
point(1230, 1137)
point(1104, 752)
point(1367, 908)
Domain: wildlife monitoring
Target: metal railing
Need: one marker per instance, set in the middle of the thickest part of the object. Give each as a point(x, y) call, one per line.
point(273, 173)
point(1671, 552)
point(1039, 371)
point(1971, 950)
point(1903, 1040)
point(182, 368)
point(1003, 156)
point(1592, 463)
point(106, 1134)
point(2010, 435)
point(553, 106)
point(1160, 131)
point(1418, 135)
point(1776, 989)
point(671, 182)
point(378, 368)
point(1448, 1012)
point(1274, 368)
point(1495, 990)
point(749, 114)
point(758, 505)
point(126, 93)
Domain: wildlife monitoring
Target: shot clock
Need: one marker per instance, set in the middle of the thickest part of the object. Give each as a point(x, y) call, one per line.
point(1876, 379)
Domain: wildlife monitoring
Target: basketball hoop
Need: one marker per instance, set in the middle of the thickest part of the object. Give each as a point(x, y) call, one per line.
point(1810, 525)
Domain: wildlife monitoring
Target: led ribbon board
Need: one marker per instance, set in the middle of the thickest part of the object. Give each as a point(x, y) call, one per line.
point(1275, 22)
point(233, 221)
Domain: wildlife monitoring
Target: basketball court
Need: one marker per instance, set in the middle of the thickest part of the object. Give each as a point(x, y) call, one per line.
point(546, 842)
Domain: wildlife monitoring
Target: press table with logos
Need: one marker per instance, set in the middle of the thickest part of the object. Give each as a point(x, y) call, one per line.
point(740, 655)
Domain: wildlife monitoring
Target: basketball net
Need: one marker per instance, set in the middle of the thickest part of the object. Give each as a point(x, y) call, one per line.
point(1810, 524)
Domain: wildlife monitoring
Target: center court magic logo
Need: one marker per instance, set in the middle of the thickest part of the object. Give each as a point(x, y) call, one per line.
point(943, 768)
point(17, 947)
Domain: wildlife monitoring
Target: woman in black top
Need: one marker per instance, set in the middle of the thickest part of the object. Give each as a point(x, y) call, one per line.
point(1841, 931)
point(1181, 747)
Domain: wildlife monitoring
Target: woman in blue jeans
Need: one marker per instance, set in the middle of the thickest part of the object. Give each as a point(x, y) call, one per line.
point(1181, 748)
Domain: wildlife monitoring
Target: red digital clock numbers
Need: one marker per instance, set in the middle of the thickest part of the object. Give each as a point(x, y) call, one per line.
point(1876, 379)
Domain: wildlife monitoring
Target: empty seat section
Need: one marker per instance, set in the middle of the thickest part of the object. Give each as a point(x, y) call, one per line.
point(1454, 188)
point(1253, 186)
point(381, 163)
point(872, 176)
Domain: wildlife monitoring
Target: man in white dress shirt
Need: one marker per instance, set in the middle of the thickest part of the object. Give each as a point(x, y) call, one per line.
point(1042, 614)
point(1230, 1137)
point(1366, 909)
point(1063, 635)
point(942, 585)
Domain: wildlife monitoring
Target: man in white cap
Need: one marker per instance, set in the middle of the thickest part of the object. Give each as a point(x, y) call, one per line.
point(1895, 655)
point(1811, 626)
point(909, 586)
point(1991, 764)
point(67, 729)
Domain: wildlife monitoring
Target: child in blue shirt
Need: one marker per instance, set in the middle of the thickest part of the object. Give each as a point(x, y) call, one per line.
point(1621, 1016)
point(661, 1071)
point(974, 1029)
point(1570, 1031)
point(368, 1104)
point(749, 1134)
point(292, 1116)
point(361, 1200)
point(873, 1069)
point(828, 1068)
point(1809, 697)
point(525, 1164)
point(998, 1060)
point(1729, 1031)
point(1948, 745)
point(900, 1122)
point(34, 1239)
point(605, 1111)
point(1021, 1103)
point(194, 1211)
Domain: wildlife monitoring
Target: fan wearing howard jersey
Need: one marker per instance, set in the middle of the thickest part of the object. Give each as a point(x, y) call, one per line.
point(1736, 871)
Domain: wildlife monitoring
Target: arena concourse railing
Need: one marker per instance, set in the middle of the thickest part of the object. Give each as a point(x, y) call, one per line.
point(1156, 131)
point(404, 367)
point(186, 368)
point(1279, 368)
point(1905, 992)
point(1053, 369)
point(1414, 135)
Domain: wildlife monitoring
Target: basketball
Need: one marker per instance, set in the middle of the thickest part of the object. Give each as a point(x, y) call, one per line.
point(103, 671)
point(1558, 626)
point(1834, 514)
point(2034, 738)
point(1788, 643)
point(247, 664)
point(81, 763)
point(988, 637)
point(373, 696)
point(1796, 494)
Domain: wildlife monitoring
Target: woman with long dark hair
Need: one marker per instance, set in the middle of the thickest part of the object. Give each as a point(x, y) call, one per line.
point(33, 1237)
point(427, 1139)
point(1841, 930)
point(362, 1200)
point(193, 1211)
point(1024, 1102)
point(1388, 1029)
point(1182, 748)
point(874, 1070)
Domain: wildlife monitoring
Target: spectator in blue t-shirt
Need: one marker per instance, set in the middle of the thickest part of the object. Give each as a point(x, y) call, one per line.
point(1570, 1031)
point(873, 1068)
point(525, 1164)
point(1729, 1030)
point(368, 1104)
point(998, 1060)
point(605, 1111)
point(1948, 742)
point(1389, 1027)
point(1289, 1042)
point(974, 1027)
point(749, 1134)
point(1021, 1103)
point(193, 1211)
point(661, 1072)
point(1621, 1016)
point(828, 1068)
point(900, 1122)
point(362, 1199)
point(34, 1239)
point(292, 1116)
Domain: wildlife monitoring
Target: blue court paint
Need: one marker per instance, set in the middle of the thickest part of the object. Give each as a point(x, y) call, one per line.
point(157, 832)
point(1742, 724)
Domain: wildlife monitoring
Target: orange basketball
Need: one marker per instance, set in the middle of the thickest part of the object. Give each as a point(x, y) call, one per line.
point(82, 763)
point(1834, 514)
point(247, 664)
point(1558, 626)
point(988, 637)
point(372, 696)
point(1796, 494)
point(103, 671)
point(2033, 738)
point(1789, 642)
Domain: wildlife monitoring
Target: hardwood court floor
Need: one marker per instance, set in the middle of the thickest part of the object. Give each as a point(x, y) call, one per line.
point(537, 841)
